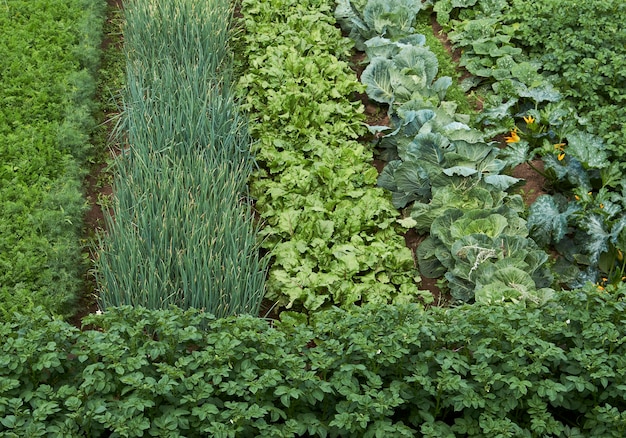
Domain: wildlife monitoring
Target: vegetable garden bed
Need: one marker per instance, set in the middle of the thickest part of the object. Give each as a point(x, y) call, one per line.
point(538, 353)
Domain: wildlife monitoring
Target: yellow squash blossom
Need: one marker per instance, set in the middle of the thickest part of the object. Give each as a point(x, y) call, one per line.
point(559, 146)
point(513, 138)
point(529, 120)
point(561, 156)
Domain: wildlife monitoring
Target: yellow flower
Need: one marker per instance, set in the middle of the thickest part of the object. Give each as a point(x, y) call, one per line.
point(577, 197)
point(529, 120)
point(559, 146)
point(601, 205)
point(514, 138)
point(561, 156)
point(600, 287)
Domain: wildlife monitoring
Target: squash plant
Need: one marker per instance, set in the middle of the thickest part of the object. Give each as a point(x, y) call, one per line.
point(514, 49)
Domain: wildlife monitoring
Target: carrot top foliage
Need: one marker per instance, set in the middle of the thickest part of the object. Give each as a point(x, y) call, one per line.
point(49, 52)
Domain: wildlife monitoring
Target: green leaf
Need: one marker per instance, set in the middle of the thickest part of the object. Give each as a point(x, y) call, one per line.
point(501, 182)
point(377, 78)
point(428, 147)
point(588, 149)
point(381, 47)
point(598, 237)
point(543, 93)
point(517, 153)
point(546, 223)
point(429, 264)
point(460, 170)
point(478, 222)
point(412, 179)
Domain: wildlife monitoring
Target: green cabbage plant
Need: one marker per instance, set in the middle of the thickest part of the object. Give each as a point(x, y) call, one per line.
point(364, 19)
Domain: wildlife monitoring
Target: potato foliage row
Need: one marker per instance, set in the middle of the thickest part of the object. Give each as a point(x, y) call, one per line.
point(511, 370)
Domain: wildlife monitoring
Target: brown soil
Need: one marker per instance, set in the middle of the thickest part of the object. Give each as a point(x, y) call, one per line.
point(535, 184)
point(97, 188)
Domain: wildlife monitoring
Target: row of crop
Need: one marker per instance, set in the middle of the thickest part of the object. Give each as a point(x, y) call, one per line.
point(449, 177)
point(578, 47)
point(331, 233)
point(527, 66)
point(50, 53)
point(377, 371)
point(182, 231)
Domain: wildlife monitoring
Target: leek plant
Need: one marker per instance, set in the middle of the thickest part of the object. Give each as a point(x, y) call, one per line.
point(182, 230)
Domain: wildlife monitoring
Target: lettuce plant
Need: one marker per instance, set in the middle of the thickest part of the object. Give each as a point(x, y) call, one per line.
point(331, 233)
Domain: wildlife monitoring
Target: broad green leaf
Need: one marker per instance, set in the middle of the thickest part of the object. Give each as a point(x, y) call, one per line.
point(512, 276)
point(381, 47)
point(377, 78)
point(588, 149)
point(387, 179)
point(499, 112)
point(501, 182)
point(506, 52)
point(473, 152)
point(429, 147)
point(429, 264)
point(442, 225)
point(463, 3)
point(598, 237)
point(460, 170)
point(527, 73)
point(492, 225)
point(546, 223)
point(611, 175)
point(457, 131)
point(415, 39)
point(411, 178)
point(491, 165)
point(440, 86)
point(517, 153)
point(618, 233)
point(460, 289)
point(484, 47)
point(543, 93)
point(377, 129)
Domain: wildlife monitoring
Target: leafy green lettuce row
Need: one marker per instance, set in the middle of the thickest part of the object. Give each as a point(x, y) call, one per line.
point(331, 232)
point(379, 370)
